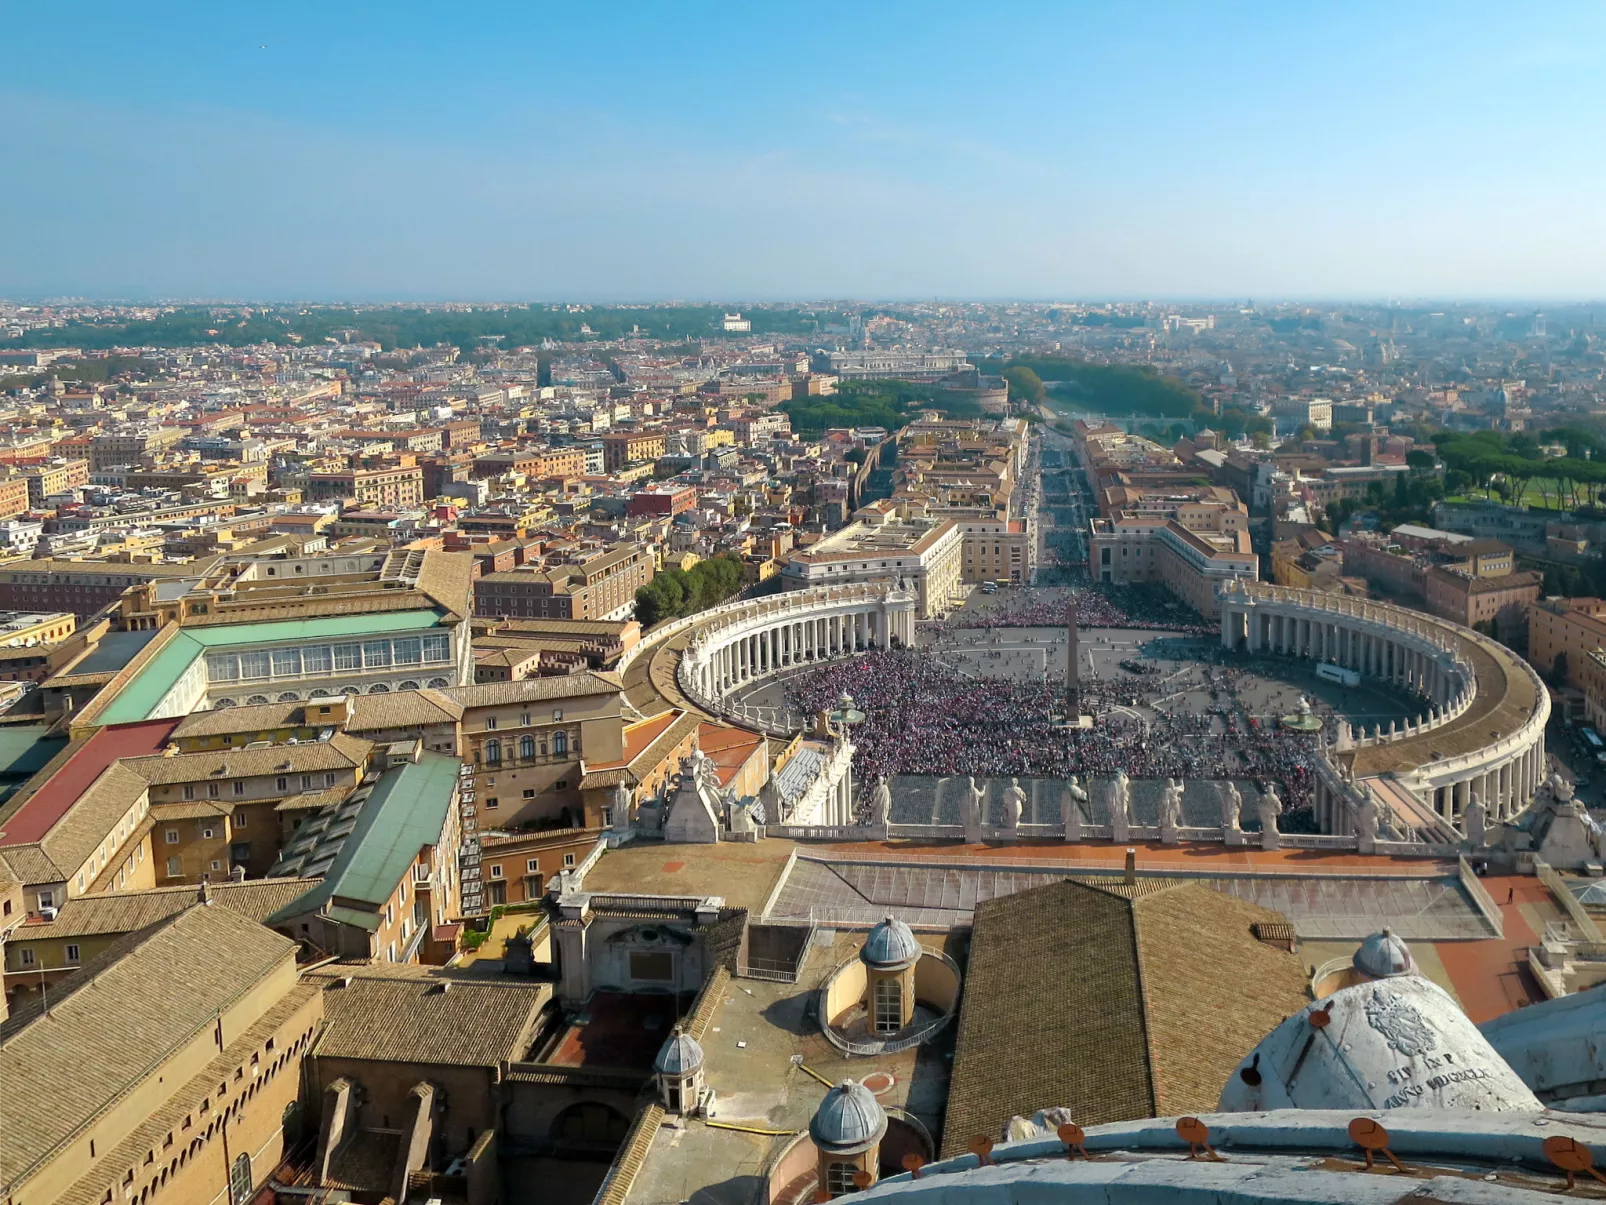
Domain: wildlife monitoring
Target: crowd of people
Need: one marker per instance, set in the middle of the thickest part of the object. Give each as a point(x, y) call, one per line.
point(924, 718)
point(1097, 606)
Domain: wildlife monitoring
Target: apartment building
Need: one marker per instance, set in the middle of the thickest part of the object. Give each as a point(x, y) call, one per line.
point(130, 447)
point(54, 477)
point(1562, 633)
point(369, 488)
point(920, 555)
point(597, 585)
point(1475, 601)
point(626, 447)
point(1192, 565)
point(995, 550)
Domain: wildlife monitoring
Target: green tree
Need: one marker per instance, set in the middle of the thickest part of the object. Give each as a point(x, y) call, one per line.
point(1025, 386)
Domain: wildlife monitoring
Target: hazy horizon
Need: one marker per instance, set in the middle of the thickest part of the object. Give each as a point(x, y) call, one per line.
point(1430, 154)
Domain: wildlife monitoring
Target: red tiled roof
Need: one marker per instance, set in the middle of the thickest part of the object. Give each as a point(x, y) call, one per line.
point(41, 811)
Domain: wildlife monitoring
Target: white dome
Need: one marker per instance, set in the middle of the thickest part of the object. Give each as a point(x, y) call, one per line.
point(1399, 1042)
point(849, 1120)
point(891, 945)
point(680, 1055)
point(1383, 955)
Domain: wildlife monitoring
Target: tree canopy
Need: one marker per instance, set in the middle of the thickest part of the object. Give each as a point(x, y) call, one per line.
point(676, 592)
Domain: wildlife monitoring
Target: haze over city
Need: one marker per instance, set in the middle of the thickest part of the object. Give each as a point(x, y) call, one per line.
point(672, 604)
point(1015, 150)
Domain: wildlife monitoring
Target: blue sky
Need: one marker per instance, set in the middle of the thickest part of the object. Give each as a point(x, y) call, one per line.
point(872, 150)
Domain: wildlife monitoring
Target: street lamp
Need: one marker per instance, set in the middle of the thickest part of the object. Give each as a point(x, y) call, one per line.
point(846, 714)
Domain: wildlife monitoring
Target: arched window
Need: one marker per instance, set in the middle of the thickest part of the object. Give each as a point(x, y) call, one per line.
point(888, 1006)
point(288, 696)
point(560, 743)
point(526, 747)
point(257, 700)
point(407, 684)
point(590, 1123)
point(438, 683)
point(240, 1183)
point(493, 752)
point(379, 688)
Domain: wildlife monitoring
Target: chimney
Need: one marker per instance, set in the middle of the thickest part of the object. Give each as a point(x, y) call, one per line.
point(204, 895)
point(1131, 865)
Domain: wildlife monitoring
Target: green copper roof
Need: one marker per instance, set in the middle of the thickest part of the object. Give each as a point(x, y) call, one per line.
point(139, 698)
point(405, 813)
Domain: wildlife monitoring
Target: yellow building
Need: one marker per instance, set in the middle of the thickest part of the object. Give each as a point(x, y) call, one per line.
point(171, 1072)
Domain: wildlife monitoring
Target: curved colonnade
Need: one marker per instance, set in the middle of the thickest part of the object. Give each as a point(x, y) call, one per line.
point(1484, 735)
point(739, 644)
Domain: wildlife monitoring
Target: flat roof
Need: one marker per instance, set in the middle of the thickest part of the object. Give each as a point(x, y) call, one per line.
point(149, 687)
point(115, 650)
point(26, 748)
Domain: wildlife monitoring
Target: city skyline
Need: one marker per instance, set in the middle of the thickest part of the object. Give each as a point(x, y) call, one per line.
point(1033, 152)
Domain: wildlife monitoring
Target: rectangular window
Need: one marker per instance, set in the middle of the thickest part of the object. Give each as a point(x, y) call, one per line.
point(72, 953)
point(189, 790)
point(568, 859)
point(491, 802)
point(240, 819)
point(533, 865)
point(490, 723)
point(437, 648)
point(172, 836)
point(254, 665)
point(408, 650)
point(329, 778)
point(213, 790)
point(174, 868)
point(316, 660)
point(496, 871)
point(306, 782)
point(529, 792)
point(26, 956)
point(281, 783)
point(375, 654)
point(239, 787)
point(224, 667)
point(287, 663)
point(652, 965)
point(348, 656)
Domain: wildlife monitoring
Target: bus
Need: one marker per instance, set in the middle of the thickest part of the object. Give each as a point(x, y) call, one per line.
point(1593, 745)
point(1337, 673)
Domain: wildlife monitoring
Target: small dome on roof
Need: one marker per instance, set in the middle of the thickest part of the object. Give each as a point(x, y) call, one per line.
point(891, 945)
point(1383, 955)
point(848, 1121)
point(681, 1055)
